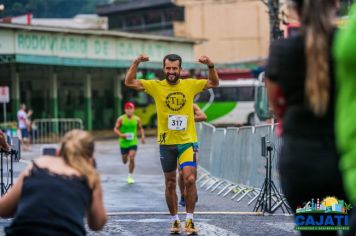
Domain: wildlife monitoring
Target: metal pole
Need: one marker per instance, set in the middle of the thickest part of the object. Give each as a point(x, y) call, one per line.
point(2, 173)
point(4, 108)
point(269, 149)
point(273, 10)
point(12, 152)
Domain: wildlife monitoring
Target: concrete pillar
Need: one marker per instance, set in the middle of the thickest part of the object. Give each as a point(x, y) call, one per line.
point(53, 93)
point(117, 96)
point(15, 91)
point(88, 123)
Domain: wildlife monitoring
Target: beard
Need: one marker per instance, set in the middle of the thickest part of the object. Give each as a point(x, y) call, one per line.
point(172, 78)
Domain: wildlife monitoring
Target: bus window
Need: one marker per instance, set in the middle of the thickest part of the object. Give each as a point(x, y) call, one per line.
point(261, 104)
point(203, 96)
point(262, 109)
point(238, 94)
point(245, 94)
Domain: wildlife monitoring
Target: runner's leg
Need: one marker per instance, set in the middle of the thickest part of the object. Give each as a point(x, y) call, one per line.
point(190, 193)
point(169, 155)
point(181, 187)
point(189, 173)
point(171, 195)
point(125, 158)
point(131, 156)
point(187, 163)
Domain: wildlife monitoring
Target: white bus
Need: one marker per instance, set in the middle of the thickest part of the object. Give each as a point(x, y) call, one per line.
point(232, 103)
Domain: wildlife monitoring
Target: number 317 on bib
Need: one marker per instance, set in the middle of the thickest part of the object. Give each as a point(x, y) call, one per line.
point(177, 122)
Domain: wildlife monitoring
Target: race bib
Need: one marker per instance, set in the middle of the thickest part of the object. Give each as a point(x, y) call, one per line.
point(177, 122)
point(130, 136)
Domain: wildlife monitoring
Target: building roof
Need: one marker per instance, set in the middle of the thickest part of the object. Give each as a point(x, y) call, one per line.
point(80, 21)
point(130, 5)
point(96, 32)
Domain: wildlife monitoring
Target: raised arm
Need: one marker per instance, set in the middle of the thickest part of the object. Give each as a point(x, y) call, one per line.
point(141, 130)
point(29, 113)
point(130, 78)
point(97, 214)
point(9, 202)
point(199, 115)
point(213, 78)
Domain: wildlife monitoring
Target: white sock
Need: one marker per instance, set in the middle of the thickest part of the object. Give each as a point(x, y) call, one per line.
point(189, 216)
point(175, 217)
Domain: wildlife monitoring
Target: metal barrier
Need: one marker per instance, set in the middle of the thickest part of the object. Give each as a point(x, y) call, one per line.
point(6, 169)
point(15, 147)
point(231, 161)
point(51, 130)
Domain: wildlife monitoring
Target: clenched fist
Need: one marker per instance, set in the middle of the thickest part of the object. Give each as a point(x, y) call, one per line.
point(142, 58)
point(206, 61)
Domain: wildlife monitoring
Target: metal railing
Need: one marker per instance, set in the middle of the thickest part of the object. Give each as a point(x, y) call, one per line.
point(7, 169)
point(52, 130)
point(232, 162)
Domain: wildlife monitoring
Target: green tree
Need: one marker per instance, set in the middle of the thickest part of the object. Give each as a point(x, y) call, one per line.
point(50, 8)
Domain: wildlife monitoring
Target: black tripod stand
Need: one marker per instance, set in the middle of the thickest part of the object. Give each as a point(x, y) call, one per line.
point(5, 186)
point(269, 189)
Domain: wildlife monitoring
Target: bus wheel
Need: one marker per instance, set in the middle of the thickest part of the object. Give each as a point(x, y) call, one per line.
point(154, 121)
point(251, 119)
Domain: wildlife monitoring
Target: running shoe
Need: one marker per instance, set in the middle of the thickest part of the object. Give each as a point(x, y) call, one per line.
point(175, 228)
point(189, 227)
point(130, 180)
point(182, 201)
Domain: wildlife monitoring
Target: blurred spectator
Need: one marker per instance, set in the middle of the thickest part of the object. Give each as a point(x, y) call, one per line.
point(24, 127)
point(301, 90)
point(345, 56)
point(54, 194)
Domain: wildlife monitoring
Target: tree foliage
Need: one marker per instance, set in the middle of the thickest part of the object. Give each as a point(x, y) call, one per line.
point(49, 8)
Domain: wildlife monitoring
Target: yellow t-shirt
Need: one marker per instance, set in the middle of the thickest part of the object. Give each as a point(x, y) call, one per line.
point(174, 104)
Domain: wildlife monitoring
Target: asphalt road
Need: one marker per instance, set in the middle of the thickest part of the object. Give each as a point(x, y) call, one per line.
point(140, 209)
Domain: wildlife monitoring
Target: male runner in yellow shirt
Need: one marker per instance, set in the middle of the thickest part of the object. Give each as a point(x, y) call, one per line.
point(176, 128)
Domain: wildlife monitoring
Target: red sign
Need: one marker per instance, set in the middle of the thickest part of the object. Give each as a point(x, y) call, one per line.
point(4, 95)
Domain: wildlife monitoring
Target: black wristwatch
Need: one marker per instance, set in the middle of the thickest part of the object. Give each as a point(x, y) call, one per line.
point(211, 66)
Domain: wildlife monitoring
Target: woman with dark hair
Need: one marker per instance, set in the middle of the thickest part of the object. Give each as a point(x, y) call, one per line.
point(302, 69)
